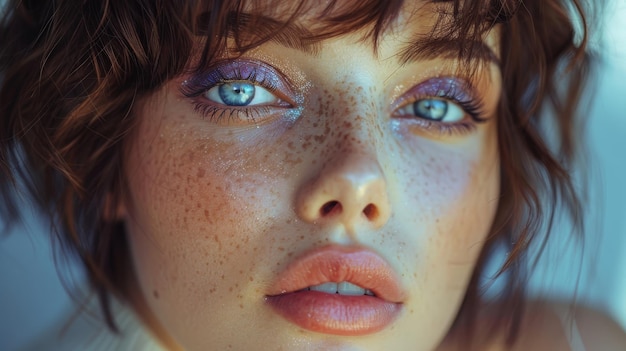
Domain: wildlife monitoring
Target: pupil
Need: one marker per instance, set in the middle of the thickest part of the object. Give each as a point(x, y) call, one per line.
point(431, 109)
point(237, 93)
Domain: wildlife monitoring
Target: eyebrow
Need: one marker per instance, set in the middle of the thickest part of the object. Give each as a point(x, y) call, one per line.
point(433, 47)
point(294, 36)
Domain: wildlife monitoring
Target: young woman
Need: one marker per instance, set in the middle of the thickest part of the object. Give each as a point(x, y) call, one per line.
point(295, 175)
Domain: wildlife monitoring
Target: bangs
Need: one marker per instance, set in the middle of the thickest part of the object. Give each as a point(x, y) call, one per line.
point(458, 27)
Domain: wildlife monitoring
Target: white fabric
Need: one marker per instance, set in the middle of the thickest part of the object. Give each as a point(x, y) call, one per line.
point(86, 330)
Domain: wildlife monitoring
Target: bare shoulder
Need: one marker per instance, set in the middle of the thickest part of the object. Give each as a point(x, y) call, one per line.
point(559, 326)
point(599, 331)
point(551, 326)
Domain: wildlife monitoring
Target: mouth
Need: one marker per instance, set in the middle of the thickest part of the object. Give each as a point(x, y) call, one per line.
point(338, 290)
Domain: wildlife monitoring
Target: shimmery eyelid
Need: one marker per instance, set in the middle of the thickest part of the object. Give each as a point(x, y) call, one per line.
point(455, 89)
point(238, 70)
point(289, 105)
point(443, 87)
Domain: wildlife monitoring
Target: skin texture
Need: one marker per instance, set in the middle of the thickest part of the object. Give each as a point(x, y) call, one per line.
point(216, 209)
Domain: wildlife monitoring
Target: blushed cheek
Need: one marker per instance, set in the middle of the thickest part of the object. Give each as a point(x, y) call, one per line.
point(451, 197)
point(201, 219)
point(464, 194)
point(190, 181)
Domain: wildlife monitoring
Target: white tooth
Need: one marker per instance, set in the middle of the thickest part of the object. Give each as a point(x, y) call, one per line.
point(345, 288)
point(369, 292)
point(330, 288)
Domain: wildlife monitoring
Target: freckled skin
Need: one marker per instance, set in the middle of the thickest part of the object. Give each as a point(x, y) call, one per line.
point(215, 212)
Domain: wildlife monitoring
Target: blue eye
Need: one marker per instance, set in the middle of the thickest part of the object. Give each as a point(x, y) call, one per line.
point(433, 110)
point(240, 93)
point(236, 93)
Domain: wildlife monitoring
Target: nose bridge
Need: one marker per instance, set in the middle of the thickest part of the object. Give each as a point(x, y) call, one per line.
point(350, 186)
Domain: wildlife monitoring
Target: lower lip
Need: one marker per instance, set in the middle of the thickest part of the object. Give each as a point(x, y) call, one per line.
point(334, 313)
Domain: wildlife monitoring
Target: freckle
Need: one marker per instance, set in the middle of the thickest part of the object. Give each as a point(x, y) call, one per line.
point(155, 294)
point(201, 172)
point(251, 278)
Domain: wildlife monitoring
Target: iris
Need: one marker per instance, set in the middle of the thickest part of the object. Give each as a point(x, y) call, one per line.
point(431, 109)
point(237, 93)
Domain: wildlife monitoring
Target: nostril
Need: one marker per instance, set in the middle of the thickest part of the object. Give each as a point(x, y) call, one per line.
point(329, 207)
point(371, 212)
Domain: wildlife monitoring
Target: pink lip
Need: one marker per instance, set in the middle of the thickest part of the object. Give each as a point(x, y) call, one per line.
point(333, 313)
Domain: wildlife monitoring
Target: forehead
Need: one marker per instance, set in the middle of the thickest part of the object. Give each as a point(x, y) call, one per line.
point(349, 13)
point(422, 30)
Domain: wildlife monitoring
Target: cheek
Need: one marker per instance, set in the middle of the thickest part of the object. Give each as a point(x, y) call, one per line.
point(197, 218)
point(450, 199)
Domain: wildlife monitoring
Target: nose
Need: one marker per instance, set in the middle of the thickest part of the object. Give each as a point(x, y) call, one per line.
point(349, 189)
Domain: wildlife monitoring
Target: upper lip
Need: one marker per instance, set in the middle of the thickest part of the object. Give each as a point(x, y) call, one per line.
point(336, 264)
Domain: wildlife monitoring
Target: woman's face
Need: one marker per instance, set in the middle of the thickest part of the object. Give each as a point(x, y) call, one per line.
point(274, 173)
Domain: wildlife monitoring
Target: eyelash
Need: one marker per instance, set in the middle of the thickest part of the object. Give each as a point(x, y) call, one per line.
point(471, 106)
point(195, 87)
point(447, 129)
point(223, 114)
point(227, 114)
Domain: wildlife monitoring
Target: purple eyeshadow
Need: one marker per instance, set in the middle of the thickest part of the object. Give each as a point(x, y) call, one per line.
point(445, 87)
point(237, 70)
